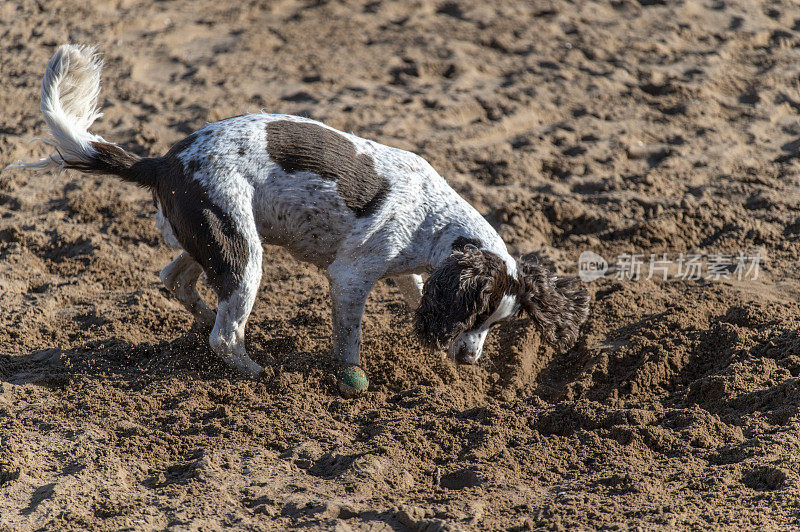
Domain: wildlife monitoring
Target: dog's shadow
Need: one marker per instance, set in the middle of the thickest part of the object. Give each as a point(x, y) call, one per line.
point(115, 360)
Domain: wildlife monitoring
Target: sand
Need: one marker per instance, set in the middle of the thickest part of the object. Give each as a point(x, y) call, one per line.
point(617, 127)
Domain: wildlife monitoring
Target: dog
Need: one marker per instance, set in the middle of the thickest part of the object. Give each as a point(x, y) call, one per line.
point(357, 209)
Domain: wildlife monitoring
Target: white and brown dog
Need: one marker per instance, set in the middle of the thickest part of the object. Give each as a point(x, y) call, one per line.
point(359, 210)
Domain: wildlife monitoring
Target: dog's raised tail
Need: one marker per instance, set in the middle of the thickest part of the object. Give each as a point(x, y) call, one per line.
point(70, 88)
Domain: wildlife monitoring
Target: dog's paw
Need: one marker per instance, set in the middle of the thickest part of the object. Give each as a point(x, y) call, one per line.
point(244, 365)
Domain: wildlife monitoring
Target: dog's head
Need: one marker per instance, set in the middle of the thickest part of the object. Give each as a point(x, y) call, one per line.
point(472, 290)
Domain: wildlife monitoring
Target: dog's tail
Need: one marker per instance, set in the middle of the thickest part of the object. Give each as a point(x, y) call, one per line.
point(70, 89)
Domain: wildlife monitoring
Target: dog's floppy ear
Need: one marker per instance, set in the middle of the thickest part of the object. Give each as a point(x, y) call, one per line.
point(558, 307)
point(455, 293)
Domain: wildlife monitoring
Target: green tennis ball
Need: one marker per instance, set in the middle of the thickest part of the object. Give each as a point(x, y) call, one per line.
point(352, 381)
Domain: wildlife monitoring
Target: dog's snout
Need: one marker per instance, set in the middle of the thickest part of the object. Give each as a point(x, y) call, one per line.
point(465, 356)
point(468, 348)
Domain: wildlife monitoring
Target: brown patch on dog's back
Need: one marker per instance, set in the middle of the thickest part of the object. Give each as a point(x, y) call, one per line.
point(302, 146)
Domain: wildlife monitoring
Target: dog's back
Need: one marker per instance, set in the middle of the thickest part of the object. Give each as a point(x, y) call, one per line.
point(319, 191)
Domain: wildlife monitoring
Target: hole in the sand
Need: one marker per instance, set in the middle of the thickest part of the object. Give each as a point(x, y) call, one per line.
point(463, 478)
point(764, 478)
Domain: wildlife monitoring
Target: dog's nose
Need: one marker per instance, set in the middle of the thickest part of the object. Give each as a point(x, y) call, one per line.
point(464, 356)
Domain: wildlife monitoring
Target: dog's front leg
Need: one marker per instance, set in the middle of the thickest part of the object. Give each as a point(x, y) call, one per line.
point(349, 291)
point(348, 297)
point(350, 286)
point(411, 288)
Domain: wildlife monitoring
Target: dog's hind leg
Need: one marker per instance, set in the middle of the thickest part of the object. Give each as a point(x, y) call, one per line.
point(227, 338)
point(180, 277)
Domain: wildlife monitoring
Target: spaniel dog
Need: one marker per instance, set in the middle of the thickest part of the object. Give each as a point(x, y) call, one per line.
point(359, 210)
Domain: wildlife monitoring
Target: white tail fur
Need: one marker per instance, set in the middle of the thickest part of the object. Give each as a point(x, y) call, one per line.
point(70, 89)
